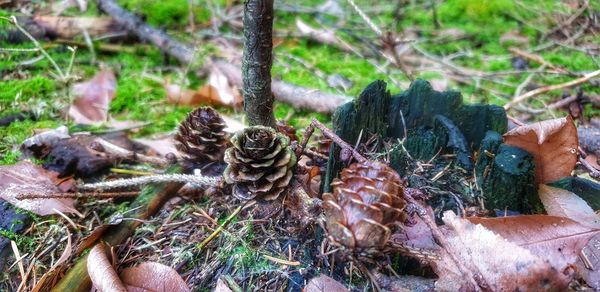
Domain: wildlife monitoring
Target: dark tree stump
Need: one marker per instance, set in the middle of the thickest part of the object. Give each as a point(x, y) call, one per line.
point(508, 181)
point(413, 113)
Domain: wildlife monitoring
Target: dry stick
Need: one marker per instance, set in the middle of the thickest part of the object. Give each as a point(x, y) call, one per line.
point(217, 231)
point(538, 59)
point(307, 133)
point(336, 139)
point(96, 195)
point(542, 90)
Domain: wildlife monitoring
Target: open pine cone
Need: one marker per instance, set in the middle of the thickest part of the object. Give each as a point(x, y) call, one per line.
point(365, 201)
point(201, 138)
point(259, 165)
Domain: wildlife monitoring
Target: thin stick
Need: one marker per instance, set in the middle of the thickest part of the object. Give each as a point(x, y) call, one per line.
point(309, 131)
point(144, 180)
point(336, 139)
point(97, 195)
point(541, 90)
point(536, 58)
point(221, 227)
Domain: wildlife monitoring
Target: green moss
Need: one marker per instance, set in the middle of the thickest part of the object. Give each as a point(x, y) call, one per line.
point(10, 157)
point(26, 89)
point(172, 13)
point(16, 133)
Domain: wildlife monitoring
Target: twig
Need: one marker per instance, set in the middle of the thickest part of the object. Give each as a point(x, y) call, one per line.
point(307, 133)
point(221, 227)
point(336, 139)
point(538, 59)
point(75, 195)
point(545, 89)
point(365, 18)
point(144, 180)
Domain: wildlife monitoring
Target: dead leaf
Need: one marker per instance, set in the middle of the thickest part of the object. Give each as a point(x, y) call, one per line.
point(28, 178)
point(60, 6)
point(222, 286)
point(93, 98)
point(552, 143)
point(556, 239)
point(495, 262)
point(218, 91)
point(40, 144)
point(324, 284)
point(588, 263)
point(514, 37)
point(562, 203)
point(71, 27)
point(151, 276)
point(102, 274)
point(593, 161)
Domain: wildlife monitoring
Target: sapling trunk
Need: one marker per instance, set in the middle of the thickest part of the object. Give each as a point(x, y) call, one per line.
point(257, 61)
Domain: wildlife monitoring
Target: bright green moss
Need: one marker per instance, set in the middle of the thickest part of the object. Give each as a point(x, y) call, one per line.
point(171, 13)
point(26, 89)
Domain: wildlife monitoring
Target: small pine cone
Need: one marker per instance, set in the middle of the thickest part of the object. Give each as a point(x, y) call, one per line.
point(259, 165)
point(201, 138)
point(365, 201)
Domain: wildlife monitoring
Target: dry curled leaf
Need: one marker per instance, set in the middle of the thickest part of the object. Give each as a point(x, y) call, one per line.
point(151, 276)
point(93, 98)
point(495, 263)
point(145, 277)
point(552, 143)
point(101, 272)
point(562, 203)
point(28, 178)
point(324, 284)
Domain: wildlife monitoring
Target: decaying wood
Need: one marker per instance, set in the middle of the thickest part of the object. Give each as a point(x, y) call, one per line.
point(180, 51)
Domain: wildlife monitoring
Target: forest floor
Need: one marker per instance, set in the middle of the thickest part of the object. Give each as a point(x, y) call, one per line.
point(475, 47)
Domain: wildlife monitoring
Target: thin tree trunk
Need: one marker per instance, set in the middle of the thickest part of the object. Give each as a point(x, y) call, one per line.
point(257, 61)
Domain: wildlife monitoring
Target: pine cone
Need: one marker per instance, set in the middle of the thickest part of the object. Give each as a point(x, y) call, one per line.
point(287, 129)
point(201, 138)
point(365, 201)
point(259, 163)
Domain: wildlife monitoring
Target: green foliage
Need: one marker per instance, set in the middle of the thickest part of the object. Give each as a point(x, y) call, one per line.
point(24, 90)
point(481, 11)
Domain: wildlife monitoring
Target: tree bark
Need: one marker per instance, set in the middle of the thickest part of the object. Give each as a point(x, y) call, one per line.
point(257, 61)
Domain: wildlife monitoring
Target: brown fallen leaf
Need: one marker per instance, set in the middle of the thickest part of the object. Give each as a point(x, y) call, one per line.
point(495, 263)
point(28, 178)
point(556, 239)
point(562, 203)
point(93, 98)
point(324, 283)
point(102, 274)
point(552, 143)
point(151, 276)
point(218, 91)
point(70, 27)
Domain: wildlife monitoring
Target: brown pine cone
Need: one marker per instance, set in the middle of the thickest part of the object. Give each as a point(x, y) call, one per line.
point(259, 165)
point(201, 139)
point(365, 201)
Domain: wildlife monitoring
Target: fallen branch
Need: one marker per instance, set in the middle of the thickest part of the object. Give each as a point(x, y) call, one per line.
point(542, 90)
point(144, 180)
point(593, 172)
point(298, 97)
